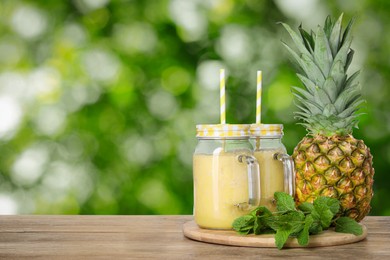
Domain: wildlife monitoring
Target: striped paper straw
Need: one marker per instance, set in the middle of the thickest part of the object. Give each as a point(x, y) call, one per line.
point(258, 97)
point(222, 103)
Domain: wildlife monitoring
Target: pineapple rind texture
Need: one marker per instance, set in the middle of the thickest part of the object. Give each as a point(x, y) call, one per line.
point(330, 161)
point(338, 167)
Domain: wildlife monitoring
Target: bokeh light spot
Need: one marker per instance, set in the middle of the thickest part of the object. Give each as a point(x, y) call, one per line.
point(162, 104)
point(8, 205)
point(176, 80)
point(189, 18)
point(14, 84)
point(207, 74)
point(86, 6)
point(101, 65)
point(138, 150)
point(63, 178)
point(220, 9)
point(95, 4)
point(29, 22)
point(303, 10)
point(49, 120)
point(44, 84)
point(234, 44)
point(29, 166)
point(136, 37)
point(10, 116)
point(74, 33)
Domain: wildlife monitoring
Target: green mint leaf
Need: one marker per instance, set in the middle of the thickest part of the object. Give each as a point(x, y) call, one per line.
point(272, 222)
point(348, 225)
point(244, 232)
point(284, 202)
point(263, 223)
point(268, 231)
point(306, 207)
point(281, 236)
point(254, 212)
point(322, 213)
point(243, 223)
point(332, 203)
point(258, 226)
point(325, 217)
point(264, 211)
point(315, 227)
point(296, 220)
point(303, 237)
point(245, 228)
point(261, 211)
point(293, 220)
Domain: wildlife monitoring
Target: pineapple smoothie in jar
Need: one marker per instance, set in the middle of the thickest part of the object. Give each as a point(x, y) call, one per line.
point(226, 175)
point(276, 166)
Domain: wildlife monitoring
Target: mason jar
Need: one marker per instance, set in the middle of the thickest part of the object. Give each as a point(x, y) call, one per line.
point(276, 166)
point(226, 175)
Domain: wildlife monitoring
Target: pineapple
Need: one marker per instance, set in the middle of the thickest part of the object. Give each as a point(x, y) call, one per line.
point(329, 161)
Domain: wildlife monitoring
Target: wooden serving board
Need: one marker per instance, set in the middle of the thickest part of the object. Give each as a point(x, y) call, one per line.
point(231, 238)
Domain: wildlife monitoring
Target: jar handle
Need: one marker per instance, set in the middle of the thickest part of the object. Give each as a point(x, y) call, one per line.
point(288, 170)
point(253, 182)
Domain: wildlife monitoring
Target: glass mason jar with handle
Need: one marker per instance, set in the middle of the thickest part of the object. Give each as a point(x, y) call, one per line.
point(226, 175)
point(276, 166)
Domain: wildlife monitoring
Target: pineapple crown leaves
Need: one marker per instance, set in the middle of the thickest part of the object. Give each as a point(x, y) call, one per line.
point(330, 99)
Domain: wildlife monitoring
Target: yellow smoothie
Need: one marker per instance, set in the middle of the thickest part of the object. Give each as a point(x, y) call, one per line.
point(220, 182)
point(271, 176)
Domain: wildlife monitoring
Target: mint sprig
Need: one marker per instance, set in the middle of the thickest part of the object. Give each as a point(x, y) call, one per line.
point(288, 221)
point(348, 225)
point(284, 203)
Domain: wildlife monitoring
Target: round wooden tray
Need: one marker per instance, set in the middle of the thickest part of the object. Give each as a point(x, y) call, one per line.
point(231, 238)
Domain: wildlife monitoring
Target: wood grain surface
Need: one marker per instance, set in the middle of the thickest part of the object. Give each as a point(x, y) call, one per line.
point(155, 237)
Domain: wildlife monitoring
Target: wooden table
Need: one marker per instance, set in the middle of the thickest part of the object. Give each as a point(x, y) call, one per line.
point(148, 237)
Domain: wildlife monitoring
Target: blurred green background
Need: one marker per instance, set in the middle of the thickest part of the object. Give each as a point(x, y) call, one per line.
point(99, 99)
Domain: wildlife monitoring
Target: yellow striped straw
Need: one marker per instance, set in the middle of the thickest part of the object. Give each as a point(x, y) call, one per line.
point(258, 97)
point(222, 103)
